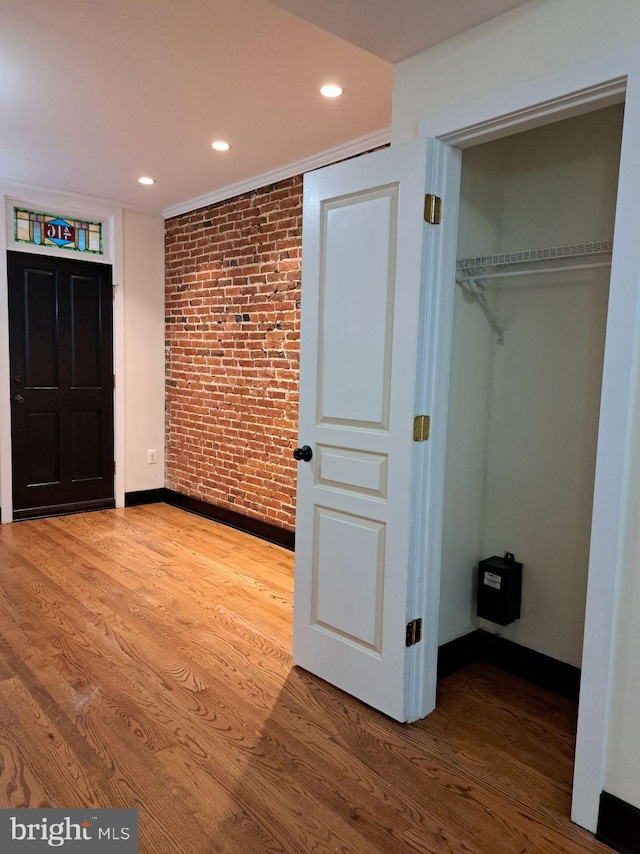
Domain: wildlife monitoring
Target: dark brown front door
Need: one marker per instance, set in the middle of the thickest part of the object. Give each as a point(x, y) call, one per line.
point(61, 359)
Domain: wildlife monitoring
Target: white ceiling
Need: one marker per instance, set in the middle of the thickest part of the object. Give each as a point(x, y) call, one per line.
point(96, 93)
point(397, 29)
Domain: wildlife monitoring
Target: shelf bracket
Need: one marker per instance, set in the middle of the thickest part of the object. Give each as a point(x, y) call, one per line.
point(493, 320)
point(477, 287)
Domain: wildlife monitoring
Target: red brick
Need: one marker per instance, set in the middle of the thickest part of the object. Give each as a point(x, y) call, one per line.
point(232, 385)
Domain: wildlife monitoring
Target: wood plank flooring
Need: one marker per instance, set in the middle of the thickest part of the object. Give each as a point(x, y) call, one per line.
point(145, 662)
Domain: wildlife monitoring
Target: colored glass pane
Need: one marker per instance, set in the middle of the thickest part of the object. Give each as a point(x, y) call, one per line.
point(44, 229)
point(95, 237)
point(23, 232)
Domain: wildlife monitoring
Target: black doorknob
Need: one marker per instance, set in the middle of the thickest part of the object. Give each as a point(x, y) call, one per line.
point(19, 398)
point(304, 453)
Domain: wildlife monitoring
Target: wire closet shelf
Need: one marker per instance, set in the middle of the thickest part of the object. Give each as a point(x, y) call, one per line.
point(474, 273)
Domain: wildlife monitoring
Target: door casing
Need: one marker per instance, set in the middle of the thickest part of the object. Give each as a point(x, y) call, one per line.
point(592, 85)
point(112, 219)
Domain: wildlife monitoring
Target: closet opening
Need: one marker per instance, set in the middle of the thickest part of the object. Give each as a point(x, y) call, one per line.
point(534, 248)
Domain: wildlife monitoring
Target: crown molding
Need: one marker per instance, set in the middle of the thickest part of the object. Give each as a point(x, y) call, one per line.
point(298, 167)
point(80, 202)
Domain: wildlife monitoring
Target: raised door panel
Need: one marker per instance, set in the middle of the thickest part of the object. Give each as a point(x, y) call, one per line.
point(86, 338)
point(351, 470)
point(38, 350)
point(347, 599)
point(42, 448)
point(358, 245)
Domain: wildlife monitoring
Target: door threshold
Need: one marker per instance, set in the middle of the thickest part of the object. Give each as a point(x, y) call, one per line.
point(63, 509)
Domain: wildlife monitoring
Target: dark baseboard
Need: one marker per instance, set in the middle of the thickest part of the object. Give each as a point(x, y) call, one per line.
point(63, 509)
point(549, 673)
point(458, 653)
point(263, 530)
point(256, 527)
point(144, 496)
point(542, 670)
point(618, 824)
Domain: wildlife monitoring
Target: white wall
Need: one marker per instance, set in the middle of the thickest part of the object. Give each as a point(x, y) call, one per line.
point(143, 291)
point(539, 38)
point(542, 450)
point(472, 352)
point(535, 39)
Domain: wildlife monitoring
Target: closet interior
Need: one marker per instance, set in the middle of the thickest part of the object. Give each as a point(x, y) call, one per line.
point(534, 253)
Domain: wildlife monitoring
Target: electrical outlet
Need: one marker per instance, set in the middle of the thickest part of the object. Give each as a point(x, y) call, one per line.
point(152, 456)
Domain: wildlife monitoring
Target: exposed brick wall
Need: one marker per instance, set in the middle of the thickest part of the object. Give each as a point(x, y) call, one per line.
point(232, 337)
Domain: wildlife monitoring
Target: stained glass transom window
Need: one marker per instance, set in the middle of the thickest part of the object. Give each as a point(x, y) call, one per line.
point(43, 229)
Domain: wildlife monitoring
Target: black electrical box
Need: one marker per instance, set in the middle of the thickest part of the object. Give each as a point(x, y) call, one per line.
point(499, 589)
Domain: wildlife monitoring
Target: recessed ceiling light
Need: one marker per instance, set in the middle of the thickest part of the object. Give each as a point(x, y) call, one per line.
point(331, 90)
point(220, 145)
point(146, 181)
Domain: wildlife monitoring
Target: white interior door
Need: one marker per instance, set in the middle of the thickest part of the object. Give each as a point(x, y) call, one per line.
point(363, 265)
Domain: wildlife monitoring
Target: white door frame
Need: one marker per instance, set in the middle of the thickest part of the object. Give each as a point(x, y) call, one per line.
point(588, 86)
point(112, 219)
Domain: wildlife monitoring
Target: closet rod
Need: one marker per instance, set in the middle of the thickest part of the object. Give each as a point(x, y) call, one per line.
point(537, 271)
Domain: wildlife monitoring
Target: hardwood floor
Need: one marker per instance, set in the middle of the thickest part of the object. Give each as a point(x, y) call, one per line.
point(145, 662)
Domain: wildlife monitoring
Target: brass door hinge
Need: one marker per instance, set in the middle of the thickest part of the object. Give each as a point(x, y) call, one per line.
point(414, 632)
point(432, 209)
point(421, 428)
